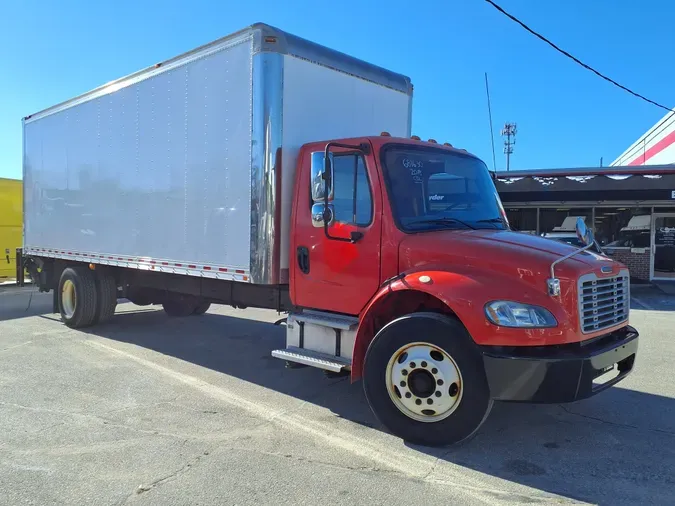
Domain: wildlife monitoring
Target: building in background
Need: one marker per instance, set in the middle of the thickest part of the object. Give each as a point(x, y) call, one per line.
point(11, 224)
point(632, 210)
point(655, 147)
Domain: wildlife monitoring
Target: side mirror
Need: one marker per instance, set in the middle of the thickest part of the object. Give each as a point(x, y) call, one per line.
point(322, 173)
point(322, 215)
point(584, 233)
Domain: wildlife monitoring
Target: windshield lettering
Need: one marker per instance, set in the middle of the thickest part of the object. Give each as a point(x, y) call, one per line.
point(452, 190)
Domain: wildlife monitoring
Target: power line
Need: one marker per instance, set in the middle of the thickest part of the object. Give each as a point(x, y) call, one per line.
point(539, 36)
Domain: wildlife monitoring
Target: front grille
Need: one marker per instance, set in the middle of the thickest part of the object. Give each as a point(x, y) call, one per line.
point(603, 302)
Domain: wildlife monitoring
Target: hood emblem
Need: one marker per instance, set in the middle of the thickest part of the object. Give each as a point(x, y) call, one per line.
point(606, 269)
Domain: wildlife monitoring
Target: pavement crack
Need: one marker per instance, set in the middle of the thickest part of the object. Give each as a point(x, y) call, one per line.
point(615, 424)
point(171, 476)
point(16, 346)
point(309, 460)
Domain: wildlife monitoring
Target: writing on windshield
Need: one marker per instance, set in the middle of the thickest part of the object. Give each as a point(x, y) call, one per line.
point(432, 188)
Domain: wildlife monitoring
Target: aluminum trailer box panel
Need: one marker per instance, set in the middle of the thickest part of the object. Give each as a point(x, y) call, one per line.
point(187, 167)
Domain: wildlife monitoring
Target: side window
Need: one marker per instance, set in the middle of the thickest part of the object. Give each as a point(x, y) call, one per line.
point(353, 204)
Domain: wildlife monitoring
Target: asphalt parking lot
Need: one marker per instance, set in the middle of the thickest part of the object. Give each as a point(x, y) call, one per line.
point(152, 410)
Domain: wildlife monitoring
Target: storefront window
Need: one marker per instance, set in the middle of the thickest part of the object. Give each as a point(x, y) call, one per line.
point(623, 227)
point(562, 220)
point(523, 220)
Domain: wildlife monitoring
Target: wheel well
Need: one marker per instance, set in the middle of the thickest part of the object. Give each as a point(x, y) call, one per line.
point(387, 309)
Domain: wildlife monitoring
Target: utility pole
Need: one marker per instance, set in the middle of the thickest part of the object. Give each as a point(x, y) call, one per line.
point(509, 132)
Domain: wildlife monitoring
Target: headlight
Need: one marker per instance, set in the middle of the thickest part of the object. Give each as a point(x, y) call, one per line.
point(514, 314)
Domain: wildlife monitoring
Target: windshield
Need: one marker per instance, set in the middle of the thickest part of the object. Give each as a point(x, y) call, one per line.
point(435, 188)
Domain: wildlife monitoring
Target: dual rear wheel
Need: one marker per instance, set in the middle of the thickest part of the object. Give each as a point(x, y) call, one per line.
point(86, 297)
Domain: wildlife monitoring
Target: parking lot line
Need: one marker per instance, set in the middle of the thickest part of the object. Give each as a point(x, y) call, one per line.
point(413, 467)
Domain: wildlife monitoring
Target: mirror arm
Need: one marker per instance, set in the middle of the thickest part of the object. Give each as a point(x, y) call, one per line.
point(364, 148)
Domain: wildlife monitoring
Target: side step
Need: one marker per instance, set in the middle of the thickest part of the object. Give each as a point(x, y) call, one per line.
point(313, 359)
point(327, 320)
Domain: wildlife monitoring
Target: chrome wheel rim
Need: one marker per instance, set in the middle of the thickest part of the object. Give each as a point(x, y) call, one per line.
point(68, 298)
point(424, 382)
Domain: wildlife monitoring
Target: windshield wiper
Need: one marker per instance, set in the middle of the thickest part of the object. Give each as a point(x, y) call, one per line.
point(493, 220)
point(442, 221)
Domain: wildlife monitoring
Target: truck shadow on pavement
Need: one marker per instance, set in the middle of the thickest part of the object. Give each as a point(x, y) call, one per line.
point(16, 303)
point(618, 447)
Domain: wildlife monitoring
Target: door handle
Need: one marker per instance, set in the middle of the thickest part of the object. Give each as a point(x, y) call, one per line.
point(303, 259)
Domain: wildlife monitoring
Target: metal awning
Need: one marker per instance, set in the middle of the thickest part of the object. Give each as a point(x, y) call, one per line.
point(592, 184)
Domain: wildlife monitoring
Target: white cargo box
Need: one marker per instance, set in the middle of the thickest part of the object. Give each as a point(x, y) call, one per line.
point(188, 166)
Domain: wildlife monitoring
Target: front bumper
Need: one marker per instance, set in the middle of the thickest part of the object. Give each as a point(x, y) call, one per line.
point(557, 374)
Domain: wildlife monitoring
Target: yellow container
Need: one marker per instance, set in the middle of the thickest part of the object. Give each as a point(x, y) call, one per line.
point(11, 223)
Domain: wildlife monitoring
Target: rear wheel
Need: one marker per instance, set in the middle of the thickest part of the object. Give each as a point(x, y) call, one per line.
point(179, 305)
point(106, 290)
point(77, 297)
point(201, 308)
point(424, 379)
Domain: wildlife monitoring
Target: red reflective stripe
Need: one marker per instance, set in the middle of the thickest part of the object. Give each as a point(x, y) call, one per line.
point(178, 265)
point(165, 263)
point(222, 269)
point(207, 268)
point(655, 149)
point(240, 271)
point(192, 266)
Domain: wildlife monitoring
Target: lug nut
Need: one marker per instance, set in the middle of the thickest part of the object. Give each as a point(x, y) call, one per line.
point(424, 364)
point(404, 372)
point(412, 365)
point(408, 395)
point(440, 382)
point(434, 371)
point(402, 383)
point(418, 402)
point(430, 401)
point(438, 393)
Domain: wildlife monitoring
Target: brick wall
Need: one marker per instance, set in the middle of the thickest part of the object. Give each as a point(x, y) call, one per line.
point(637, 263)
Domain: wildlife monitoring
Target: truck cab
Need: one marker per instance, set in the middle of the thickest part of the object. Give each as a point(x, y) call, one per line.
point(407, 274)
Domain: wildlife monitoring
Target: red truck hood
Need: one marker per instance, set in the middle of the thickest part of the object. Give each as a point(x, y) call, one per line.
point(499, 251)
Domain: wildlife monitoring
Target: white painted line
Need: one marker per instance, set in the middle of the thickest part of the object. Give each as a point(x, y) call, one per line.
point(409, 465)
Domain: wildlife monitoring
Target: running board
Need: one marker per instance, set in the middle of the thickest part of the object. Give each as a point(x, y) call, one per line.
point(313, 359)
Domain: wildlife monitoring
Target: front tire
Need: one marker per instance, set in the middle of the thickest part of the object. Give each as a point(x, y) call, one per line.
point(424, 380)
point(77, 297)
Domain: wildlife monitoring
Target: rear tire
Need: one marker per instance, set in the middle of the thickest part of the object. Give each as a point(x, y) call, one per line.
point(106, 287)
point(77, 297)
point(201, 308)
point(438, 395)
point(179, 306)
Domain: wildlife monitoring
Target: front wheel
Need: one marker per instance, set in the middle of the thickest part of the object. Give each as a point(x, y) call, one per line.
point(424, 380)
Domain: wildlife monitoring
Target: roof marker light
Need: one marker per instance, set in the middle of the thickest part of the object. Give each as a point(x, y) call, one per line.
point(432, 141)
point(415, 137)
point(385, 134)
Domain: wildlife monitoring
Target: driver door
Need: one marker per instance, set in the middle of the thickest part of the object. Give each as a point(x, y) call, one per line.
point(335, 275)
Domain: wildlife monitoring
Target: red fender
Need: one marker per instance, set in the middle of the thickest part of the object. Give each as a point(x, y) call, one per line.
point(465, 296)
